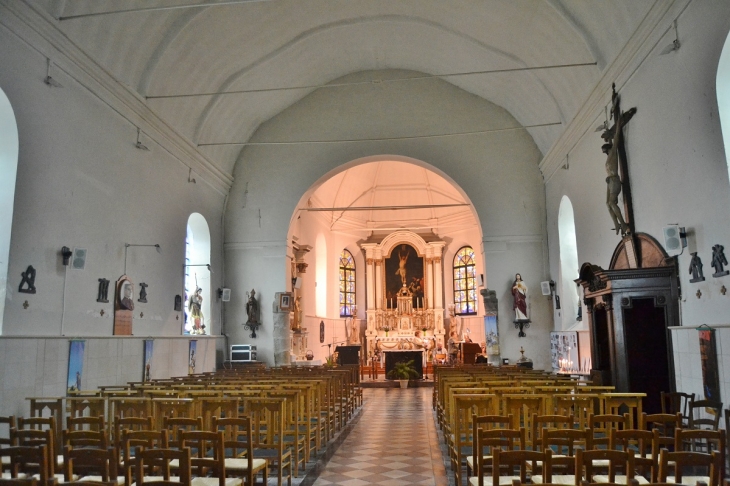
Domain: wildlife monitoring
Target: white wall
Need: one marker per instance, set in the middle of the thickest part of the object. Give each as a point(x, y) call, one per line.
point(488, 168)
point(38, 367)
point(677, 167)
point(82, 183)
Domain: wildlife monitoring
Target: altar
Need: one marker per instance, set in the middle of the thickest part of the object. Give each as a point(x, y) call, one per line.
point(393, 357)
point(405, 309)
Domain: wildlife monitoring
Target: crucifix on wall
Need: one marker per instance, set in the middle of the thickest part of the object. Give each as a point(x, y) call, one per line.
point(617, 169)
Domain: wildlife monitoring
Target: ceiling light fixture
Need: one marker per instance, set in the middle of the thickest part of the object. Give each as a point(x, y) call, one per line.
point(675, 45)
point(49, 80)
point(139, 144)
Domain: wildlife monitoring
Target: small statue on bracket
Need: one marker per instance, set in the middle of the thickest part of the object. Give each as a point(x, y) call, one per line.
point(718, 260)
point(29, 279)
point(103, 294)
point(252, 311)
point(695, 268)
point(143, 293)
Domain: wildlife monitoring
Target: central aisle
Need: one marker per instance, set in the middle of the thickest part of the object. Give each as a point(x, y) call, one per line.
point(393, 443)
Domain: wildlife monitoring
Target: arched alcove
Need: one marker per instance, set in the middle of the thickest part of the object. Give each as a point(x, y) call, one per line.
point(197, 273)
point(568, 263)
point(8, 168)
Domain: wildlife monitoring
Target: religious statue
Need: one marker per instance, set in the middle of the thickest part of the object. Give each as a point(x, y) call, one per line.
point(718, 260)
point(519, 293)
point(29, 279)
point(103, 294)
point(252, 308)
point(297, 321)
point(403, 254)
point(354, 337)
point(143, 293)
point(614, 148)
point(695, 268)
point(195, 303)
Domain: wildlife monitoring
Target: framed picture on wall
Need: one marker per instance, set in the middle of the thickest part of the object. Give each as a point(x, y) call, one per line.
point(285, 301)
point(564, 350)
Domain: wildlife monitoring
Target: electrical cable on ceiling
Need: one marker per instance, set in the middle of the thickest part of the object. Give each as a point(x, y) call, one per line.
point(383, 139)
point(159, 9)
point(372, 81)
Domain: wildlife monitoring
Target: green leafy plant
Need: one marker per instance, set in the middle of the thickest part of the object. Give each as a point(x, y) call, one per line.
point(403, 370)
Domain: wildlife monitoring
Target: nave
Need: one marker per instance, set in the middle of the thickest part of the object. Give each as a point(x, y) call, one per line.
point(392, 442)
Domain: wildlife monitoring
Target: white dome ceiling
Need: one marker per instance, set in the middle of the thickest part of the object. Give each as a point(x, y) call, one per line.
point(390, 195)
point(288, 43)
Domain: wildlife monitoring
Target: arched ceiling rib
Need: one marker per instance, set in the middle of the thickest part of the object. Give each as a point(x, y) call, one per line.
point(290, 42)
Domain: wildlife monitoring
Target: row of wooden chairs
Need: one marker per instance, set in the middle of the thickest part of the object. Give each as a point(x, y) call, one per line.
point(588, 466)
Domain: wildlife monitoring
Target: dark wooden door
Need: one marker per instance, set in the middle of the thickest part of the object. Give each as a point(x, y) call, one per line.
point(647, 351)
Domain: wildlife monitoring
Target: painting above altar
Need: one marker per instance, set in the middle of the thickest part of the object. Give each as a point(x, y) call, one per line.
point(404, 268)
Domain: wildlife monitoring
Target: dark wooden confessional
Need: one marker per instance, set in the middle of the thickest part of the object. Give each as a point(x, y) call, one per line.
point(630, 308)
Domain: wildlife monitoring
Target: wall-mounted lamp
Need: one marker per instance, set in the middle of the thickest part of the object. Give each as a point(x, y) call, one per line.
point(191, 179)
point(48, 79)
point(127, 245)
point(66, 255)
point(199, 265)
point(139, 144)
point(675, 45)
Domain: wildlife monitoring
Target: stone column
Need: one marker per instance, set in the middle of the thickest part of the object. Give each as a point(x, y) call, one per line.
point(429, 280)
point(378, 284)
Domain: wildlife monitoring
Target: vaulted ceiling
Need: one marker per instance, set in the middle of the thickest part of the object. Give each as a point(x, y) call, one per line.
point(177, 47)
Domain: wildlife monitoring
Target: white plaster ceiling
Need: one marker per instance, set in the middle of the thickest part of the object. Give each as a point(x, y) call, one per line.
point(282, 43)
point(392, 184)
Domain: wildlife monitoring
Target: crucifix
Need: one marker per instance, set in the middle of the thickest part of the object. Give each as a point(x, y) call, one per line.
point(617, 169)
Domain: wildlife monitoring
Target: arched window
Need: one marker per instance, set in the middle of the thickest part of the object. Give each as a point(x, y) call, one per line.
point(465, 282)
point(197, 276)
point(723, 96)
point(568, 263)
point(8, 168)
point(347, 284)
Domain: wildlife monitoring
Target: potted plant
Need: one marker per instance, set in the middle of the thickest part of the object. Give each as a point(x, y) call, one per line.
point(403, 371)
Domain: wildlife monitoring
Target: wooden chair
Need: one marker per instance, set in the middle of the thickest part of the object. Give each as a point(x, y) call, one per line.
point(91, 464)
point(485, 422)
point(511, 460)
point(665, 424)
point(646, 446)
point(32, 437)
point(29, 462)
point(706, 441)
point(267, 419)
point(487, 441)
point(128, 423)
point(585, 463)
point(134, 441)
point(540, 422)
point(207, 457)
point(159, 460)
point(678, 402)
point(176, 425)
point(705, 414)
point(602, 426)
point(461, 440)
point(7, 424)
point(564, 443)
point(580, 405)
point(523, 408)
point(18, 481)
point(687, 459)
point(239, 449)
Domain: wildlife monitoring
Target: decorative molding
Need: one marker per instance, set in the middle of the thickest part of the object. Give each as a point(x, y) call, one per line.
point(40, 31)
point(644, 40)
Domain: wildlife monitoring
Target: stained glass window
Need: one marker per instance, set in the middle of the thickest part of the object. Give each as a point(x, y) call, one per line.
point(347, 284)
point(465, 282)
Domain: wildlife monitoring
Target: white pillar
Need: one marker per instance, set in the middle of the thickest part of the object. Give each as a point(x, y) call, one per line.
point(378, 284)
point(438, 283)
point(429, 281)
point(371, 287)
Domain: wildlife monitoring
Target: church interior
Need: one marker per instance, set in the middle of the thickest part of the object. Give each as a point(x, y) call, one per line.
point(191, 181)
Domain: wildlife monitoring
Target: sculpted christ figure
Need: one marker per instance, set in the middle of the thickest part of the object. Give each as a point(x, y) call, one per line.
point(612, 150)
point(403, 254)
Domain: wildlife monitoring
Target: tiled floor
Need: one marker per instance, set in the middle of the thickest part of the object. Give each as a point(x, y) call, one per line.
point(393, 442)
